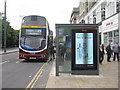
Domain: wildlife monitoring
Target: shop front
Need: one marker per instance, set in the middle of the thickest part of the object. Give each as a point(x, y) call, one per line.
point(110, 30)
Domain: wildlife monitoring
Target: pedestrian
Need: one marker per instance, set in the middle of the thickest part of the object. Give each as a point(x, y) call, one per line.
point(103, 48)
point(116, 51)
point(62, 51)
point(112, 54)
point(101, 53)
point(109, 52)
point(52, 52)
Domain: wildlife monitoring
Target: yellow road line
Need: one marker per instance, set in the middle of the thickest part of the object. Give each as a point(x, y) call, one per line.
point(36, 80)
point(35, 77)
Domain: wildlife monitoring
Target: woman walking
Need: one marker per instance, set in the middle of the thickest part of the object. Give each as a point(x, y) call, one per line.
point(101, 54)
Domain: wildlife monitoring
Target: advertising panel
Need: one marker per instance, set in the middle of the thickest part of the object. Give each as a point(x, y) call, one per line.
point(84, 52)
point(84, 49)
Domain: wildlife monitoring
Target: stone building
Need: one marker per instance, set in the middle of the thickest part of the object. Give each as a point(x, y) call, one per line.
point(105, 13)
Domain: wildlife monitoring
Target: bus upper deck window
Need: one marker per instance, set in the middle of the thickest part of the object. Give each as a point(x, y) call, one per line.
point(33, 18)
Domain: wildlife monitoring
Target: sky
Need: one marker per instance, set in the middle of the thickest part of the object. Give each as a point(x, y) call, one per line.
point(56, 11)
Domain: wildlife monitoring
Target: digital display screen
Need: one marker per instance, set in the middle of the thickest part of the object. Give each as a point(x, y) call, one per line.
point(84, 48)
point(33, 32)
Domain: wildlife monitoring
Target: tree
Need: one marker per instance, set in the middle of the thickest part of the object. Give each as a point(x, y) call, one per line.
point(11, 35)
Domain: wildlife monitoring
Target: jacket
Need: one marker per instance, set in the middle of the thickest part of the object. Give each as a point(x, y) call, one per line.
point(108, 49)
point(116, 48)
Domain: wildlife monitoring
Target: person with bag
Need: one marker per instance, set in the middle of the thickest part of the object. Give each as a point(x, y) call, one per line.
point(109, 52)
point(116, 51)
point(52, 52)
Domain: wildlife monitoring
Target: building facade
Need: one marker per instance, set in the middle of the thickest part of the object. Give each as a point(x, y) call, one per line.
point(105, 13)
point(74, 16)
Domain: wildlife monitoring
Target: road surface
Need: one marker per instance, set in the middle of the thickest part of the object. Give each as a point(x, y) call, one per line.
point(18, 73)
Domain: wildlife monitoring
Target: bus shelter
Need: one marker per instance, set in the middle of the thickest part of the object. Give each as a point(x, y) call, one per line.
point(65, 50)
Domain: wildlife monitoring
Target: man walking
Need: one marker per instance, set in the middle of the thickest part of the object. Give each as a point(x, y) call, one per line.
point(109, 52)
point(116, 51)
point(52, 52)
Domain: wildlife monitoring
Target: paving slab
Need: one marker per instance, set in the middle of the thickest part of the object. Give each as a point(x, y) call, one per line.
point(108, 78)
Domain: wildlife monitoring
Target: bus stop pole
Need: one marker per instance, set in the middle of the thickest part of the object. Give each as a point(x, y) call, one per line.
point(5, 28)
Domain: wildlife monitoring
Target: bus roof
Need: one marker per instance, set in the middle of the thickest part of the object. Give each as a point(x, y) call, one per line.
point(34, 20)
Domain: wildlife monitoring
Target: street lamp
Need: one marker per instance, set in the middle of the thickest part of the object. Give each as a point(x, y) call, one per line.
point(5, 27)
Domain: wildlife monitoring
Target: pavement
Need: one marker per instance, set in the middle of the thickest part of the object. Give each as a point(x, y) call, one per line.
point(9, 50)
point(107, 78)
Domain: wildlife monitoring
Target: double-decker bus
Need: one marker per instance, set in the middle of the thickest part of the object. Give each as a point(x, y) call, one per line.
point(34, 38)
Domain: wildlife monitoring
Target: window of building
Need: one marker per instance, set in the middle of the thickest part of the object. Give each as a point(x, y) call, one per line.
point(83, 21)
point(103, 13)
point(88, 20)
point(110, 9)
point(87, 8)
point(94, 17)
point(94, 20)
point(118, 6)
point(98, 14)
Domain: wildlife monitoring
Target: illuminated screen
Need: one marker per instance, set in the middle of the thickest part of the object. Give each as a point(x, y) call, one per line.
point(33, 32)
point(84, 48)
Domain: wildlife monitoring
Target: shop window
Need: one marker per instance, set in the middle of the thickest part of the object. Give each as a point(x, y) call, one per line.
point(110, 34)
point(116, 39)
point(110, 41)
point(116, 36)
point(105, 35)
point(116, 33)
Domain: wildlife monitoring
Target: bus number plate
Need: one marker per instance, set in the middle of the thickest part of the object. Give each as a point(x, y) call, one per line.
point(32, 57)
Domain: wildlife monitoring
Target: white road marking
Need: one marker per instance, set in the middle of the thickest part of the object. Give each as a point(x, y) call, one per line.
point(4, 62)
point(17, 57)
point(30, 76)
point(18, 62)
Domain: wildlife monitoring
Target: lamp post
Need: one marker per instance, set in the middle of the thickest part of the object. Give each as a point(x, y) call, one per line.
point(5, 28)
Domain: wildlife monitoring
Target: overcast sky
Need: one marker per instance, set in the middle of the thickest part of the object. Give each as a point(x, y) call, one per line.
point(56, 11)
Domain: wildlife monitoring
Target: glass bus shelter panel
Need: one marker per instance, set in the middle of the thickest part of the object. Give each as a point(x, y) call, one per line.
point(64, 50)
point(63, 46)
